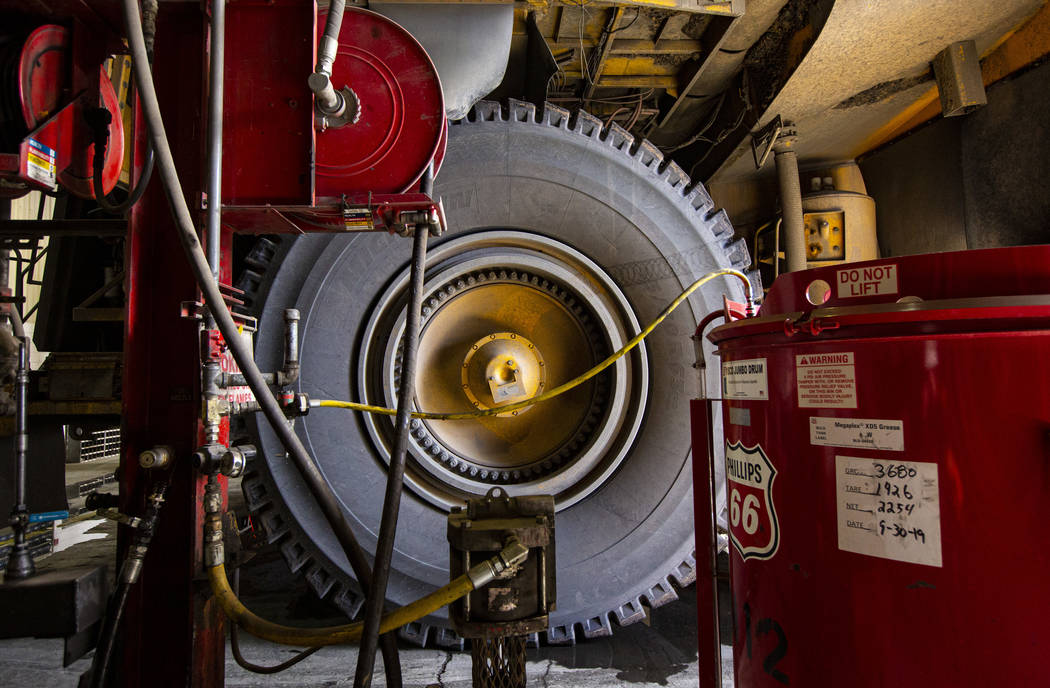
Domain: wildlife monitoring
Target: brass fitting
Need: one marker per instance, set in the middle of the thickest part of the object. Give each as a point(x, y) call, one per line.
point(510, 557)
point(214, 551)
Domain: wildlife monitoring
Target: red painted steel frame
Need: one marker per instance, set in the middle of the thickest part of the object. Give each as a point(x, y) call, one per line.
point(709, 646)
point(972, 394)
point(173, 632)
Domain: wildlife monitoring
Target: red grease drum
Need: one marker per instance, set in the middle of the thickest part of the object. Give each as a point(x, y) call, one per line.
point(401, 127)
point(887, 430)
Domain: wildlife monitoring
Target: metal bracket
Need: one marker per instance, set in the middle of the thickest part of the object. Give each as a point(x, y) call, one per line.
point(762, 142)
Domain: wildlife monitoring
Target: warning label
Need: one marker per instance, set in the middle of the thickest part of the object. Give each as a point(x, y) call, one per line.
point(40, 163)
point(745, 379)
point(869, 281)
point(358, 219)
point(826, 380)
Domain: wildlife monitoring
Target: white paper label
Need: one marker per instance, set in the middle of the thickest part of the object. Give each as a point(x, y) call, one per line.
point(857, 432)
point(867, 281)
point(826, 380)
point(746, 379)
point(889, 509)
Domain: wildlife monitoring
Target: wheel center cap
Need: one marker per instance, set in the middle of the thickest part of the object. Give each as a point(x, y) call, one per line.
point(500, 369)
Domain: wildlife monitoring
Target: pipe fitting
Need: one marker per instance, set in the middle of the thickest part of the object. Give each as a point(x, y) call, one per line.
point(236, 459)
point(507, 561)
point(214, 549)
point(157, 457)
point(208, 458)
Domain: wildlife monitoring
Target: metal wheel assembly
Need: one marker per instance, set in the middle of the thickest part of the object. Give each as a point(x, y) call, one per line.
point(564, 236)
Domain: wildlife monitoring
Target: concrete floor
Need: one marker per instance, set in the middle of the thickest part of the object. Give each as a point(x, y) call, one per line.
point(660, 652)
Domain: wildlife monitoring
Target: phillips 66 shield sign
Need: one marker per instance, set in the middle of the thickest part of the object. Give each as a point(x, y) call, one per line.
point(753, 526)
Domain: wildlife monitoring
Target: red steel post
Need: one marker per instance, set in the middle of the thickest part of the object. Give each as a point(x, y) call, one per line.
point(174, 633)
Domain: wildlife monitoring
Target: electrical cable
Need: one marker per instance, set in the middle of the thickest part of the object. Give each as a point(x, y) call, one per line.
point(235, 645)
point(637, 11)
point(576, 381)
point(312, 476)
point(699, 135)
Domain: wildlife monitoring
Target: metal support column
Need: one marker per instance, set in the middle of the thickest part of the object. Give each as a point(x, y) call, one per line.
point(161, 392)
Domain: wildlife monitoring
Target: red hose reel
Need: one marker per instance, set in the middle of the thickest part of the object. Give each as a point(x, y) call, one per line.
point(56, 144)
point(284, 169)
point(401, 125)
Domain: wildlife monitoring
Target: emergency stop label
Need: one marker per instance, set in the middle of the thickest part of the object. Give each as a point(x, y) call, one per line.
point(826, 380)
point(753, 526)
point(889, 509)
point(746, 379)
point(873, 280)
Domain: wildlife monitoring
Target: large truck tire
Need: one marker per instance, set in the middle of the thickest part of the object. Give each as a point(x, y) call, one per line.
point(572, 235)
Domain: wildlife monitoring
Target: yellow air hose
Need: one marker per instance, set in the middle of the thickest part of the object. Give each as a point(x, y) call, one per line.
point(561, 389)
point(512, 555)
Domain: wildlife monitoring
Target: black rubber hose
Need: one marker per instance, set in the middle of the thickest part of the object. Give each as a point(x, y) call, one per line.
point(395, 477)
point(235, 645)
point(312, 475)
point(136, 193)
point(107, 638)
point(126, 578)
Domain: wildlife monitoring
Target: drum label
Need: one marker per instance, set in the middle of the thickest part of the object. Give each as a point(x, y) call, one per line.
point(826, 380)
point(753, 525)
point(857, 432)
point(873, 280)
point(889, 509)
point(746, 379)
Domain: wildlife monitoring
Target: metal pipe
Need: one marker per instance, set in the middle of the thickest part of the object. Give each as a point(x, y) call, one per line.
point(20, 562)
point(216, 72)
point(791, 203)
point(395, 477)
point(311, 473)
point(291, 337)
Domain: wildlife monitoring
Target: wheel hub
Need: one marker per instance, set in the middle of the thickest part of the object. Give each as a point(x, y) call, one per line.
point(506, 316)
point(500, 369)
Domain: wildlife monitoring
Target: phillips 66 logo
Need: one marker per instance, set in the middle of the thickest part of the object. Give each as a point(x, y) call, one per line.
point(753, 526)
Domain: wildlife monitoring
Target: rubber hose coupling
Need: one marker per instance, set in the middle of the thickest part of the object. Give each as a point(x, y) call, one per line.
point(503, 564)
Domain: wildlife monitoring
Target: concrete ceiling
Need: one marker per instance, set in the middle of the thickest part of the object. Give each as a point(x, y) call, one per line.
point(864, 45)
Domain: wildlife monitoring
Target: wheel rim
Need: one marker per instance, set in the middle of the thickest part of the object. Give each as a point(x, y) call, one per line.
point(532, 313)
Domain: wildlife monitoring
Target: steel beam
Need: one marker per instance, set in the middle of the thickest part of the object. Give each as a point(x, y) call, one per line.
point(32, 229)
point(184, 644)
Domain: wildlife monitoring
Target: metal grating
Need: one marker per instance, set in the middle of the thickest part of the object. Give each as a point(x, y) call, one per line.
point(102, 444)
